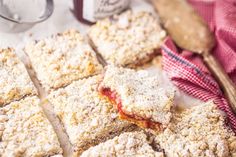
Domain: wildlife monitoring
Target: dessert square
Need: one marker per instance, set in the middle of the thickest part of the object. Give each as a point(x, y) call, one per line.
point(133, 144)
point(87, 117)
point(129, 39)
point(138, 96)
point(199, 131)
point(61, 59)
point(25, 131)
point(15, 82)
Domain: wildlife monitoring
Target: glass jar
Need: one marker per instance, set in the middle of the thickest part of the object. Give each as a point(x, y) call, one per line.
point(89, 11)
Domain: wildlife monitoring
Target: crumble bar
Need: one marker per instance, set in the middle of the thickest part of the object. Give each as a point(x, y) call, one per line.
point(88, 118)
point(138, 96)
point(61, 59)
point(129, 39)
point(26, 132)
point(15, 82)
point(199, 131)
point(130, 144)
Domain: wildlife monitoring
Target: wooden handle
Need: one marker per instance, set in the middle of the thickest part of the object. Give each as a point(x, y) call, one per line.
point(222, 78)
point(184, 25)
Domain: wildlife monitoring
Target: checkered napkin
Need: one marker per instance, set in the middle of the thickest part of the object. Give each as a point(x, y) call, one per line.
point(187, 71)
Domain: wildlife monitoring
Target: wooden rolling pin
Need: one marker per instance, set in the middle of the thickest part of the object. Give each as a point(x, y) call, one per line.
point(190, 32)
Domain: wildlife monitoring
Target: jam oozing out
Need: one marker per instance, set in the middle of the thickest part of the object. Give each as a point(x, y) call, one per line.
point(114, 98)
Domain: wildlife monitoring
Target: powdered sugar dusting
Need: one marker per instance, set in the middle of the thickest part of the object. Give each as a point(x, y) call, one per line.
point(199, 131)
point(140, 93)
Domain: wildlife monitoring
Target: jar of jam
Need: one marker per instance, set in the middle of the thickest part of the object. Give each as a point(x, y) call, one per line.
point(89, 11)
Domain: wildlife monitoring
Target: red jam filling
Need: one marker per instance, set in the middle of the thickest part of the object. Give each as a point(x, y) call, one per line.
point(114, 98)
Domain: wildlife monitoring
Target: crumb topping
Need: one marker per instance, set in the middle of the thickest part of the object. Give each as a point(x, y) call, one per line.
point(25, 131)
point(127, 144)
point(87, 117)
point(15, 82)
point(199, 131)
point(128, 38)
point(140, 93)
point(62, 58)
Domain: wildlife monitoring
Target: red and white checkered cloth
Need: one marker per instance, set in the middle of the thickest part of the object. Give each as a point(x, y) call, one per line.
point(187, 71)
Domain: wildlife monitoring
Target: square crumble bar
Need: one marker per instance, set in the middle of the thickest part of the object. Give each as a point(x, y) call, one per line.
point(25, 131)
point(15, 82)
point(139, 96)
point(61, 59)
point(129, 39)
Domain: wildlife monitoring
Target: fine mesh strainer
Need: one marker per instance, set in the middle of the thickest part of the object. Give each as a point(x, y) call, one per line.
point(17, 16)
